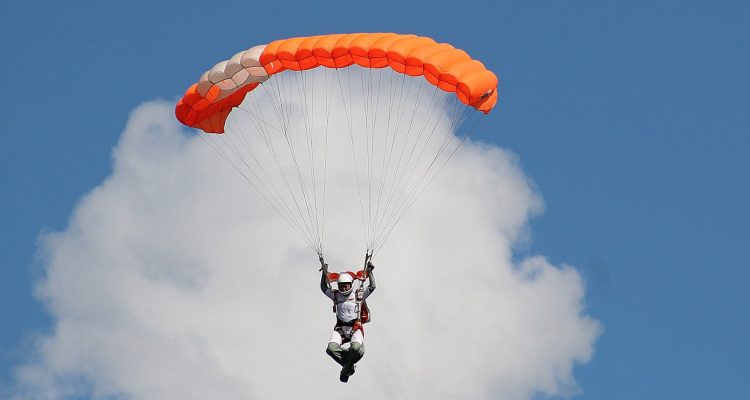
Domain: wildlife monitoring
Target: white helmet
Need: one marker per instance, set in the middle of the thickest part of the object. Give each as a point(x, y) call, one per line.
point(345, 278)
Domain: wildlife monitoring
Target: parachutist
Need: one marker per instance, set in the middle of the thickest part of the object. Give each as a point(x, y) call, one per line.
point(351, 312)
point(254, 79)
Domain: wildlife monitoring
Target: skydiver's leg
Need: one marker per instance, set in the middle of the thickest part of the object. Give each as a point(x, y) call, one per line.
point(334, 348)
point(355, 353)
point(336, 352)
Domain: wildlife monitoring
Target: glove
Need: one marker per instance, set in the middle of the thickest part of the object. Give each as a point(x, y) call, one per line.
point(370, 266)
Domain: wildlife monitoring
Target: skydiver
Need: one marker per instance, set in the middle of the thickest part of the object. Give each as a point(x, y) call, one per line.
point(348, 327)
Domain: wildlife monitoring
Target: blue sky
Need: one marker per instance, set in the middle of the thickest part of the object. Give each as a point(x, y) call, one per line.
point(631, 118)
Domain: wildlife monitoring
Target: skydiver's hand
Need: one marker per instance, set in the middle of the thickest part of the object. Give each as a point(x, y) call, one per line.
point(370, 266)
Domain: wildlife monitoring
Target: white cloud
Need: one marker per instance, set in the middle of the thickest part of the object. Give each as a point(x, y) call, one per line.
point(175, 281)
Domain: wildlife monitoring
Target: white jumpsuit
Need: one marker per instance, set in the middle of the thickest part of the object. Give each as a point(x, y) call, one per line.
point(346, 310)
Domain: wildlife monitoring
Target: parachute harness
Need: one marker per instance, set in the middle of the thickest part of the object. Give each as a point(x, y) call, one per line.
point(361, 305)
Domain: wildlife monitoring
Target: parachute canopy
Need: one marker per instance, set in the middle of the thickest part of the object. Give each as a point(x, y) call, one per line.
point(207, 103)
point(382, 108)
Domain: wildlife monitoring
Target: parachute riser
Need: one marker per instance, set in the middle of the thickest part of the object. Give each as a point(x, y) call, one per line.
point(324, 269)
point(359, 296)
point(368, 258)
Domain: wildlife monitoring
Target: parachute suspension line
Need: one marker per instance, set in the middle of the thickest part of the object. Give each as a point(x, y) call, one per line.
point(366, 83)
point(406, 201)
point(269, 144)
point(349, 118)
point(264, 135)
point(409, 199)
point(396, 89)
point(404, 195)
point(293, 150)
point(373, 102)
point(372, 158)
point(349, 121)
point(399, 114)
point(313, 159)
point(370, 137)
point(420, 133)
point(242, 135)
point(221, 153)
point(326, 104)
point(283, 116)
point(394, 182)
point(458, 118)
point(374, 137)
point(457, 122)
point(308, 109)
point(370, 126)
point(368, 98)
point(329, 97)
point(309, 123)
point(397, 187)
point(384, 165)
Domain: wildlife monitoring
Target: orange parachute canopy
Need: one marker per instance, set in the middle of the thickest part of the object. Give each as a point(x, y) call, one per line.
point(207, 103)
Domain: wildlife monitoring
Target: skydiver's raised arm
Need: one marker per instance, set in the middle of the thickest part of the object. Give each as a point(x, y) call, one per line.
point(324, 282)
point(372, 281)
point(371, 285)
